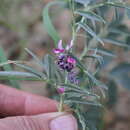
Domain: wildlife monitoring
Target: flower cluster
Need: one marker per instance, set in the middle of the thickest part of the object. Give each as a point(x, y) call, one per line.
point(64, 61)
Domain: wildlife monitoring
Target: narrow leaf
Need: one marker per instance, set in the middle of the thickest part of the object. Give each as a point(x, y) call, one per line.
point(7, 67)
point(83, 102)
point(15, 75)
point(104, 52)
point(91, 32)
point(48, 24)
point(38, 61)
point(91, 15)
point(115, 42)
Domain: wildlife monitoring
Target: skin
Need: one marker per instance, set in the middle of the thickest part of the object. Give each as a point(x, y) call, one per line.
point(23, 111)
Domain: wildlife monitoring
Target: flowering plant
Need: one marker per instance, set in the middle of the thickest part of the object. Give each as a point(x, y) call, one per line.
point(72, 75)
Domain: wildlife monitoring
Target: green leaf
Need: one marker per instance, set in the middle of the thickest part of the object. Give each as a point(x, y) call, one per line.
point(91, 32)
point(96, 82)
point(48, 64)
point(85, 102)
point(119, 31)
point(95, 56)
point(7, 67)
point(115, 42)
point(104, 52)
point(79, 90)
point(91, 15)
point(81, 119)
point(15, 75)
point(119, 4)
point(31, 70)
point(38, 61)
point(48, 24)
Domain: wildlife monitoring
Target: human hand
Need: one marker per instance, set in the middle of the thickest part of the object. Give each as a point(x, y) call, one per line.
point(23, 111)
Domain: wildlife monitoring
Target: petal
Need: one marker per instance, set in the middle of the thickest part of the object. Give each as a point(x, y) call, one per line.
point(71, 60)
point(57, 51)
point(70, 45)
point(60, 45)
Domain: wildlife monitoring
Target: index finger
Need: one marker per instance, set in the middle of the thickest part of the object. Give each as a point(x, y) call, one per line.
point(14, 102)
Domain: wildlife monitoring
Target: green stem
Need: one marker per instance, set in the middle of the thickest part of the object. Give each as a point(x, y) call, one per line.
point(61, 102)
point(61, 105)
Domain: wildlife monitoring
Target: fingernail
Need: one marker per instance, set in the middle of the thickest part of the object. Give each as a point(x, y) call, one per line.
point(67, 122)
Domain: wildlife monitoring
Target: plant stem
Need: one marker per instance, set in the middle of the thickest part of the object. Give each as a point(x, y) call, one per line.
point(61, 105)
point(61, 102)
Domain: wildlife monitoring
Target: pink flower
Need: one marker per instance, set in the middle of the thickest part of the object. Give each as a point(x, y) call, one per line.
point(61, 90)
point(71, 60)
point(57, 51)
point(60, 49)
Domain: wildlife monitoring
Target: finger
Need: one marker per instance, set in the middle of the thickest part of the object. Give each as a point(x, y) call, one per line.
point(15, 102)
point(50, 121)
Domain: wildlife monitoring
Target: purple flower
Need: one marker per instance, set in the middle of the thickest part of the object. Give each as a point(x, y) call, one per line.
point(64, 61)
point(73, 78)
point(61, 90)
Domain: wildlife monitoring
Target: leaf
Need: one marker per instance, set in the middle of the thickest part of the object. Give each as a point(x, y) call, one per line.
point(79, 90)
point(81, 119)
point(7, 67)
point(38, 61)
point(119, 31)
point(31, 70)
point(121, 75)
point(84, 2)
point(48, 64)
point(15, 75)
point(115, 42)
point(91, 32)
point(96, 82)
point(95, 56)
point(48, 24)
point(83, 102)
point(90, 76)
point(104, 52)
point(91, 15)
point(119, 4)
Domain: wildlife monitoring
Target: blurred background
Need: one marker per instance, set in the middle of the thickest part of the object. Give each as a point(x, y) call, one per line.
point(21, 26)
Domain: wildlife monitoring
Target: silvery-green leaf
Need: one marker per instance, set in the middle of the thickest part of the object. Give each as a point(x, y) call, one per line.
point(7, 67)
point(15, 75)
point(104, 52)
point(84, 2)
point(91, 15)
point(115, 42)
point(83, 102)
point(91, 32)
point(31, 70)
point(38, 61)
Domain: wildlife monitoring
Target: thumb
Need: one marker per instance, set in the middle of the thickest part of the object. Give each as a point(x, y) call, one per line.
point(49, 121)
